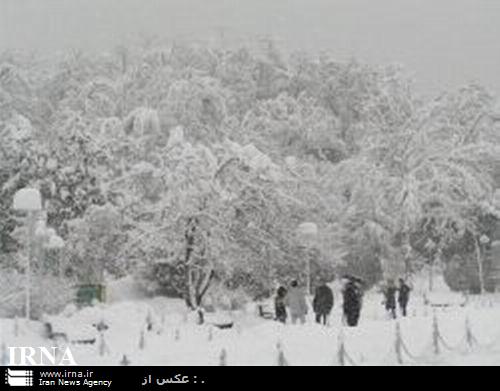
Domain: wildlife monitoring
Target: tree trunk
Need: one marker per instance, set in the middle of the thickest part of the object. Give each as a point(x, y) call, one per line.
point(189, 235)
point(406, 250)
point(198, 278)
point(203, 285)
point(191, 298)
point(479, 265)
point(431, 277)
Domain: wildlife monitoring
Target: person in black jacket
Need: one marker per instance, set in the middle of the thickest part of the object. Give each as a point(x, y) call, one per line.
point(352, 295)
point(322, 303)
point(390, 298)
point(279, 304)
point(403, 296)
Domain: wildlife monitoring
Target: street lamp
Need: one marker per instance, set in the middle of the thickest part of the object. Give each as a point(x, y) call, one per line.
point(484, 239)
point(307, 233)
point(29, 201)
point(48, 237)
point(55, 242)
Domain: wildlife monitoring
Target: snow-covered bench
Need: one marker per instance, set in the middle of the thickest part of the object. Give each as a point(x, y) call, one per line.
point(264, 310)
point(446, 300)
point(61, 330)
point(219, 320)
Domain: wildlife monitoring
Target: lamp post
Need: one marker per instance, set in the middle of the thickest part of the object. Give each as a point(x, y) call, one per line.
point(48, 237)
point(307, 233)
point(55, 242)
point(29, 201)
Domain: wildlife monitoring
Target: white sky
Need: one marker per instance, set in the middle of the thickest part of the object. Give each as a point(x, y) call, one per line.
point(444, 43)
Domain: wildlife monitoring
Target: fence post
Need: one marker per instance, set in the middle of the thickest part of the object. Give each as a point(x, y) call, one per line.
point(3, 355)
point(282, 361)
point(149, 321)
point(471, 340)
point(341, 349)
point(398, 344)
point(223, 358)
point(16, 327)
point(435, 335)
point(102, 344)
point(142, 341)
point(124, 361)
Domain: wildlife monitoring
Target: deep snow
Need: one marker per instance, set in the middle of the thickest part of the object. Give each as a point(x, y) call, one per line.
point(175, 339)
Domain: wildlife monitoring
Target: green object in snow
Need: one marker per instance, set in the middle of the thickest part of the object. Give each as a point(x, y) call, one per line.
point(87, 294)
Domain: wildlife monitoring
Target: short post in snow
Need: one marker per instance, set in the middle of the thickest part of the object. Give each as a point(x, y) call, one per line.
point(177, 335)
point(3, 355)
point(223, 358)
point(469, 337)
point(435, 335)
point(125, 361)
point(398, 346)
point(149, 321)
point(16, 327)
point(210, 334)
point(142, 340)
point(282, 361)
point(102, 344)
point(341, 350)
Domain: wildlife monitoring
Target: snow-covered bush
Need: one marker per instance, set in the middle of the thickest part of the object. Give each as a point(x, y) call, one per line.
point(161, 278)
point(93, 244)
point(49, 294)
point(220, 297)
point(12, 297)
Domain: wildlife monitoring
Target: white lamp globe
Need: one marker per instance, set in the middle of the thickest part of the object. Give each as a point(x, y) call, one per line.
point(308, 229)
point(55, 242)
point(28, 200)
point(484, 239)
point(307, 232)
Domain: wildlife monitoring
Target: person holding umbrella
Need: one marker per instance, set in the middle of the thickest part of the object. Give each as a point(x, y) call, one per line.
point(352, 295)
point(323, 303)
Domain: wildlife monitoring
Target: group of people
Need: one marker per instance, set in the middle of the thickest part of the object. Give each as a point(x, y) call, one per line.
point(399, 294)
point(292, 301)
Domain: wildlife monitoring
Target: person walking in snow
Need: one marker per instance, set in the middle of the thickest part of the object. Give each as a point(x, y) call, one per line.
point(390, 298)
point(279, 305)
point(322, 303)
point(403, 296)
point(352, 301)
point(296, 302)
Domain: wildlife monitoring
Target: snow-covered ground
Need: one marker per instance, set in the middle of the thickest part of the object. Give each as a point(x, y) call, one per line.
point(175, 339)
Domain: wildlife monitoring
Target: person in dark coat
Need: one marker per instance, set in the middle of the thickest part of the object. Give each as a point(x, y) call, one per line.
point(390, 298)
point(279, 305)
point(352, 301)
point(322, 303)
point(403, 296)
